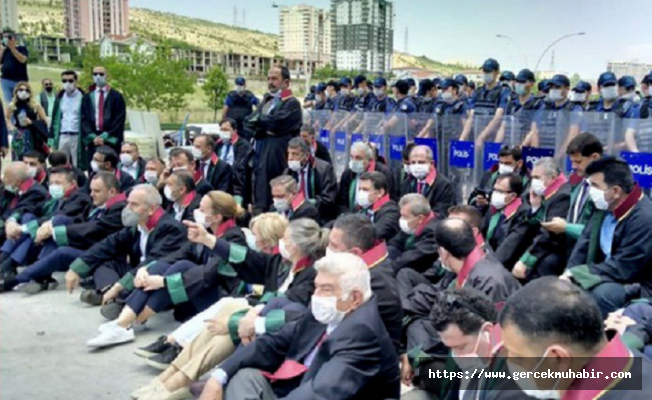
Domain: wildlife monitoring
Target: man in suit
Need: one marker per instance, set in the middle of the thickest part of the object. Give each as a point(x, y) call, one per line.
point(217, 172)
point(105, 159)
point(183, 160)
point(35, 161)
point(289, 201)
point(373, 201)
point(316, 178)
point(317, 148)
point(426, 181)
point(47, 97)
point(131, 162)
point(234, 150)
point(182, 197)
point(103, 115)
point(340, 350)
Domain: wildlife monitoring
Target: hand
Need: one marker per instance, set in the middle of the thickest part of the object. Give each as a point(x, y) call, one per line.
point(154, 282)
point(11, 44)
point(407, 373)
point(72, 280)
point(481, 201)
point(212, 390)
point(27, 121)
point(535, 200)
point(13, 230)
point(247, 327)
point(111, 294)
point(43, 233)
point(218, 326)
point(557, 225)
point(141, 277)
point(198, 234)
point(98, 141)
point(519, 270)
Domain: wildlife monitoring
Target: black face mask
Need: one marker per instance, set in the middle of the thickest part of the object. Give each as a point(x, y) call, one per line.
point(49, 89)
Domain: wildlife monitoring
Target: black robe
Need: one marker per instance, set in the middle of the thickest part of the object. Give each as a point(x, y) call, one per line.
point(346, 193)
point(219, 176)
point(300, 208)
point(115, 115)
point(322, 187)
point(322, 153)
point(74, 206)
point(384, 215)
point(509, 232)
point(241, 181)
point(190, 204)
point(126, 181)
point(440, 194)
point(30, 199)
point(416, 251)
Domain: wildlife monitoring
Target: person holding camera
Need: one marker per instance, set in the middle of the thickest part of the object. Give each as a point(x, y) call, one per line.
point(13, 58)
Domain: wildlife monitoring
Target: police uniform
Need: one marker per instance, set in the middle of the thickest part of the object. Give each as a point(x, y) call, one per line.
point(384, 105)
point(240, 106)
point(405, 105)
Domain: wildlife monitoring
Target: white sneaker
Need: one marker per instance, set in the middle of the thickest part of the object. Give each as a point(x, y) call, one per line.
point(107, 325)
point(111, 336)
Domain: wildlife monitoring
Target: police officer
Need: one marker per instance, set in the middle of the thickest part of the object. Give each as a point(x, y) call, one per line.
point(239, 104)
point(427, 103)
point(365, 95)
point(346, 98)
point(382, 102)
point(507, 79)
point(523, 99)
point(404, 102)
point(545, 122)
point(451, 102)
point(309, 101)
point(412, 92)
point(332, 95)
point(608, 92)
point(542, 93)
point(581, 96)
point(320, 96)
point(646, 91)
point(463, 84)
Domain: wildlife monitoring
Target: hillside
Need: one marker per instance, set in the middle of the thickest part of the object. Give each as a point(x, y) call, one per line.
point(403, 60)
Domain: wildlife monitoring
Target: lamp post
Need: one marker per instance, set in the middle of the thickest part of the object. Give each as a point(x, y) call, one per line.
point(536, 69)
point(517, 45)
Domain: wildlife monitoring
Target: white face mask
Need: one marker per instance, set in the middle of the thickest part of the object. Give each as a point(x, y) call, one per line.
point(498, 200)
point(319, 98)
point(151, 177)
point(69, 87)
point(281, 205)
point(251, 239)
point(406, 168)
point(420, 171)
point(167, 192)
point(447, 96)
point(357, 166)
point(294, 165)
point(240, 89)
point(520, 89)
point(226, 136)
point(629, 96)
point(472, 361)
point(505, 169)
point(328, 94)
point(597, 196)
point(578, 97)
point(528, 384)
point(32, 172)
point(555, 94)
point(361, 92)
point(282, 248)
point(379, 92)
point(196, 153)
point(345, 92)
point(405, 226)
point(609, 93)
point(488, 78)
point(126, 159)
point(200, 218)
point(538, 187)
point(179, 169)
point(22, 95)
point(94, 166)
point(362, 198)
point(324, 309)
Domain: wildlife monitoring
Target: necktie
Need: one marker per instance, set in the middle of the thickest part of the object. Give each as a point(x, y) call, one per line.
point(420, 187)
point(100, 122)
point(227, 150)
point(203, 169)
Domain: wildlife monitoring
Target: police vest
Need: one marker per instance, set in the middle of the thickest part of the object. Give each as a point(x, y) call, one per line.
point(426, 105)
point(487, 100)
point(382, 105)
point(346, 103)
point(550, 123)
point(646, 108)
point(241, 106)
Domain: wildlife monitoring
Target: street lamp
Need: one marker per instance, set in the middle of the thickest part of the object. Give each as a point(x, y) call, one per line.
point(517, 45)
point(536, 69)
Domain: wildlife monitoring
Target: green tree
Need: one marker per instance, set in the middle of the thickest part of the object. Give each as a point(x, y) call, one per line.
point(575, 79)
point(216, 87)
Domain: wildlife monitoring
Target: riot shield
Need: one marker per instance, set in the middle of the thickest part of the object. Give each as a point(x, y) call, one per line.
point(456, 157)
point(374, 127)
point(602, 125)
point(487, 147)
point(425, 128)
point(551, 127)
point(320, 125)
point(339, 124)
point(395, 137)
point(637, 149)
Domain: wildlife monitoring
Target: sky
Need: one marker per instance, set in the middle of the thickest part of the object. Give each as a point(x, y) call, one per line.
point(465, 30)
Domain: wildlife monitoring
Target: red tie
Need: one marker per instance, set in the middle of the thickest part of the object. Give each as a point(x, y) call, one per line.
point(420, 187)
point(100, 123)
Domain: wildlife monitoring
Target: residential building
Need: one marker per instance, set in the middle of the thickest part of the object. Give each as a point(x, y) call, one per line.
point(305, 34)
point(634, 68)
point(363, 34)
point(56, 49)
point(91, 20)
point(417, 74)
point(121, 46)
point(9, 14)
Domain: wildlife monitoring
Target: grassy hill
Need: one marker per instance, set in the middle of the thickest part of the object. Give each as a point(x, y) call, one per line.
point(403, 60)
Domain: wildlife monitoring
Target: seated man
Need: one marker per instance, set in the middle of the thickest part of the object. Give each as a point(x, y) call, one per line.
point(510, 161)
point(362, 160)
point(355, 234)
point(506, 227)
point(613, 256)
point(153, 170)
point(402, 173)
point(35, 160)
point(65, 203)
point(106, 160)
point(131, 162)
point(183, 160)
point(425, 181)
point(180, 192)
point(316, 178)
point(317, 149)
point(234, 151)
point(373, 201)
point(534, 320)
point(60, 159)
point(634, 324)
point(62, 244)
point(549, 198)
point(21, 201)
point(218, 173)
point(414, 247)
point(339, 354)
point(289, 201)
point(149, 234)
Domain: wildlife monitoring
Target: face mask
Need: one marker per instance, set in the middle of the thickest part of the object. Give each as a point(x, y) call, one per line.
point(357, 166)
point(294, 165)
point(379, 92)
point(446, 267)
point(319, 98)
point(49, 89)
point(32, 172)
point(129, 217)
point(328, 94)
point(538, 187)
point(629, 96)
point(251, 240)
point(324, 309)
point(472, 361)
point(56, 191)
point(151, 177)
point(5, 41)
point(498, 200)
point(505, 169)
point(345, 92)
point(609, 93)
point(69, 87)
point(362, 198)
point(282, 248)
point(555, 94)
point(598, 198)
point(281, 205)
point(420, 171)
point(226, 136)
point(447, 96)
point(99, 80)
point(95, 166)
point(168, 193)
point(361, 92)
point(578, 97)
point(22, 95)
point(126, 159)
point(405, 226)
point(196, 153)
point(528, 384)
point(179, 169)
point(488, 78)
point(239, 89)
point(520, 89)
point(200, 218)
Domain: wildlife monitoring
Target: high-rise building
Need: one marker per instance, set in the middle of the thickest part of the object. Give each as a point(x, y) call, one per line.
point(634, 68)
point(305, 34)
point(90, 20)
point(363, 34)
point(9, 14)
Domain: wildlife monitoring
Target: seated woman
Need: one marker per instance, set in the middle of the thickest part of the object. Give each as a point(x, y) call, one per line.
point(155, 287)
point(289, 284)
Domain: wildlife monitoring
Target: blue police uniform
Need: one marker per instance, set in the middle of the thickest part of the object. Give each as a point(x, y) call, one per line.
point(405, 105)
point(384, 105)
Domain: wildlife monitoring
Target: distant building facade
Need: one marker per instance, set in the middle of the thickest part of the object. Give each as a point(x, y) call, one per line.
point(122, 46)
point(636, 69)
point(305, 33)
point(56, 49)
point(9, 14)
point(90, 20)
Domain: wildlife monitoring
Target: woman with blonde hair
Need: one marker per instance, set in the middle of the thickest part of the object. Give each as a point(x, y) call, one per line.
point(288, 278)
point(162, 285)
point(27, 120)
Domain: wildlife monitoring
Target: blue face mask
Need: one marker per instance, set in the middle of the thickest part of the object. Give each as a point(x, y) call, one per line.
point(56, 191)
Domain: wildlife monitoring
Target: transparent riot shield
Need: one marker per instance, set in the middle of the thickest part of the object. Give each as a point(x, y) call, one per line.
point(637, 149)
point(339, 124)
point(457, 157)
point(373, 132)
point(602, 125)
point(395, 136)
point(550, 129)
point(320, 125)
point(425, 133)
point(487, 147)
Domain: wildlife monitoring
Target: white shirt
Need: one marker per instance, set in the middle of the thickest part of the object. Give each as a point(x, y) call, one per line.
point(144, 235)
point(70, 112)
point(131, 170)
point(96, 97)
point(178, 211)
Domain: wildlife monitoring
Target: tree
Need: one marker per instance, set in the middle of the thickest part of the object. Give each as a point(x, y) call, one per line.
point(216, 88)
point(574, 80)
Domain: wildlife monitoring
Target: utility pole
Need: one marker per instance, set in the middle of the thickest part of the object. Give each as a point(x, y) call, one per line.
point(405, 47)
point(244, 21)
point(235, 15)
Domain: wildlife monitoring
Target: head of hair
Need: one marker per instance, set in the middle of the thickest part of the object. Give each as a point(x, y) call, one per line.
point(156, 160)
point(108, 179)
point(109, 155)
point(18, 169)
point(35, 154)
point(358, 231)
point(209, 140)
point(152, 195)
point(308, 129)
point(616, 172)
point(367, 150)
point(8, 30)
point(467, 308)
point(515, 152)
point(549, 166)
point(405, 153)
point(514, 180)
point(285, 72)
point(351, 270)
point(32, 102)
point(270, 226)
point(67, 173)
point(418, 204)
point(225, 205)
point(425, 149)
point(132, 144)
point(378, 180)
point(585, 144)
point(550, 310)
point(456, 237)
point(69, 72)
point(289, 183)
point(334, 85)
point(178, 151)
point(472, 214)
point(58, 158)
point(185, 179)
point(230, 121)
point(298, 143)
point(309, 237)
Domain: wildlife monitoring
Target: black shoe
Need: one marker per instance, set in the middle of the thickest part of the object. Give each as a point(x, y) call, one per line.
point(153, 349)
point(9, 283)
point(91, 297)
point(112, 310)
point(162, 361)
point(8, 266)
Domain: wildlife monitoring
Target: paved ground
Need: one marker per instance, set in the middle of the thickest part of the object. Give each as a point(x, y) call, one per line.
point(43, 353)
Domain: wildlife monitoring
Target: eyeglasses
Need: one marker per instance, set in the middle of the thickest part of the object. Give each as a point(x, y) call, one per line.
point(98, 73)
point(68, 81)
